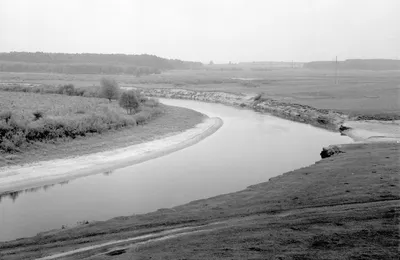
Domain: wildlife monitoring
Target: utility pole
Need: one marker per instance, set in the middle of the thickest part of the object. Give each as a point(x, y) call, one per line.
point(336, 81)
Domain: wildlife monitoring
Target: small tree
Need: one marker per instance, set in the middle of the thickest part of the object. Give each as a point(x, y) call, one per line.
point(109, 88)
point(129, 101)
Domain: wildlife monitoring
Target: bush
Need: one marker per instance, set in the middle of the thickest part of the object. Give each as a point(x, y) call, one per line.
point(151, 102)
point(80, 111)
point(257, 97)
point(5, 115)
point(323, 120)
point(129, 101)
point(37, 115)
point(68, 89)
point(8, 146)
point(146, 114)
point(109, 88)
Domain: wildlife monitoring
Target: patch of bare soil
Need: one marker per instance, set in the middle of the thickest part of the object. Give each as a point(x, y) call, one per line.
point(346, 206)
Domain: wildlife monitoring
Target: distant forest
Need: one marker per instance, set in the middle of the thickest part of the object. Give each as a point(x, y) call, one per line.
point(356, 64)
point(88, 63)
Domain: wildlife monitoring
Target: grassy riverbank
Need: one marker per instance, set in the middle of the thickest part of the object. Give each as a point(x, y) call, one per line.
point(48, 126)
point(343, 207)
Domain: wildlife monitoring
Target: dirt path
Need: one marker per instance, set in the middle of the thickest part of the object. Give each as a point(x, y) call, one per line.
point(117, 247)
point(124, 244)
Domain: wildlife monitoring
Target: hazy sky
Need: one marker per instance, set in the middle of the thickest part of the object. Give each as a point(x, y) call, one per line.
point(204, 30)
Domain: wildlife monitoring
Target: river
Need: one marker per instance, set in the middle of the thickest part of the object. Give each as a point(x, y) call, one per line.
point(249, 148)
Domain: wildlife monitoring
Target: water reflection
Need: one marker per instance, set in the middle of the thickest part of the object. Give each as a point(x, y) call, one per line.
point(15, 194)
point(107, 173)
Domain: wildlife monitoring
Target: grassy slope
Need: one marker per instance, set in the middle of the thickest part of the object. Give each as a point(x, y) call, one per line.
point(346, 206)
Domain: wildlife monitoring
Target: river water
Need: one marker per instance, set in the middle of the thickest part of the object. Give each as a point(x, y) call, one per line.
point(249, 148)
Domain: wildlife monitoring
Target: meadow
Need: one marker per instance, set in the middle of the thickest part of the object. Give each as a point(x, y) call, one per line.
point(26, 118)
point(366, 93)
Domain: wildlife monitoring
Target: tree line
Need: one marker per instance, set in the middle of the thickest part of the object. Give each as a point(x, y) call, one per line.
point(77, 68)
point(143, 60)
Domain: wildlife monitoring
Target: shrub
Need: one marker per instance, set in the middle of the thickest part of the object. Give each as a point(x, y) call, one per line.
point(37, 115)
point(142, 99)
point(91, 92)
point(6, 116)
point(109, 88)
point(129, 101)
point(257, 97)
point(79, 92)
point(323, 120)
point(80, 111)
point(151, 102)
point(68, 89)
point(8, 146)
point(146, 114)
point(140, 118)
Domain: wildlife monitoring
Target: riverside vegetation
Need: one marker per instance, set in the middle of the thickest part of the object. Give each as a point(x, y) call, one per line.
point(32, 115)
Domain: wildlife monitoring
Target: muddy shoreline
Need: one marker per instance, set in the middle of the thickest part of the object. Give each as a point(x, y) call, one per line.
point(323, 118)
point(358, 130)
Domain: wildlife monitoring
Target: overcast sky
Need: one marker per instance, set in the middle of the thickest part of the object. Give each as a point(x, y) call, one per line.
point(204, 30)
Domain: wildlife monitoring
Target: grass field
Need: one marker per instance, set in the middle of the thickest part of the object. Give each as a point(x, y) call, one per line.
point(27, 120)
point(357, 92)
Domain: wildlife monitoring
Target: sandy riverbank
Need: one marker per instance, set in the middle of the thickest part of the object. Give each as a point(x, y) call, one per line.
point(372, 130)
point(37, 174)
